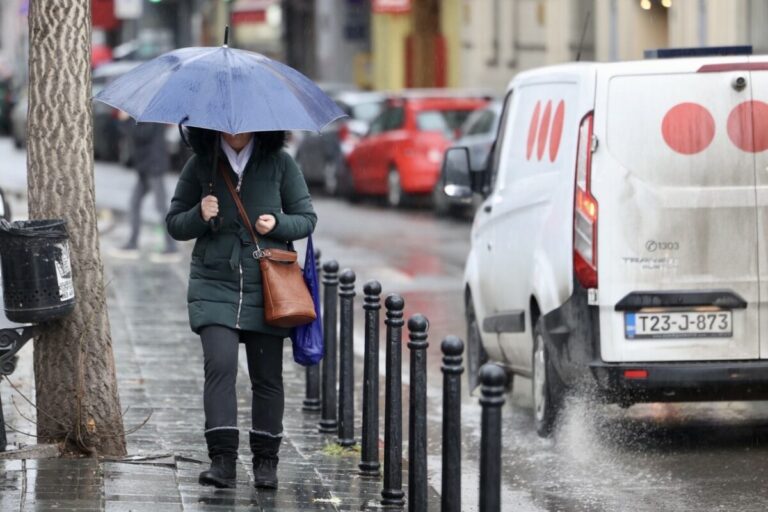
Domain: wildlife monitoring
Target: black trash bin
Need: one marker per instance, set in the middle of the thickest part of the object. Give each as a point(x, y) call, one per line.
point(36, 271)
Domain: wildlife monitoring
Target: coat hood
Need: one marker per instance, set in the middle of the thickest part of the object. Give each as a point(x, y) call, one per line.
point(202, 141)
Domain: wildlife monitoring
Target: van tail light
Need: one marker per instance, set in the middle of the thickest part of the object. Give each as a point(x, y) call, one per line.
point(585, 210)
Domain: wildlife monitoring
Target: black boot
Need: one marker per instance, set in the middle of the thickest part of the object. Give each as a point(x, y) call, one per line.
point(265, 448)
point(222, 449)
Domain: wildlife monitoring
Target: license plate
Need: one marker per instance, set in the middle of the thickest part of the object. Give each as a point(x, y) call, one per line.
point(678, 324)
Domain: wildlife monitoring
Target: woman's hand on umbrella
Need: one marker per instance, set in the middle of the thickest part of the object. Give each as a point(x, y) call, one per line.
point(209, 207)
point(265, 223)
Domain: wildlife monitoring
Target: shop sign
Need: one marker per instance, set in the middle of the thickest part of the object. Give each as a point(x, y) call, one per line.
point(391, 6)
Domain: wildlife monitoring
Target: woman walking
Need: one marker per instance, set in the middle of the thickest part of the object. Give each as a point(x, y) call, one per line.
point(225, 296)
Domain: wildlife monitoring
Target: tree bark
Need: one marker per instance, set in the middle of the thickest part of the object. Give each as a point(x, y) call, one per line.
point(77, 397)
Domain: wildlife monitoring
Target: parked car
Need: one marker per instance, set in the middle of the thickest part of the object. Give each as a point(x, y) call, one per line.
point(322, 156)
point(109, 141)
point(478, 134)
point(401, 155)
point(619, 246)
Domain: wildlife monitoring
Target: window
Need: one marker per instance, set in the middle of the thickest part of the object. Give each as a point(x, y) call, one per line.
point(495, 155)
point(431, 121)
point(394, 118)
point(366, 111)
point(377, 125)
point(483, 123)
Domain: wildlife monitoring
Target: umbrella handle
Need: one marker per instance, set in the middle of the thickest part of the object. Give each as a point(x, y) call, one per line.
point(215, 222)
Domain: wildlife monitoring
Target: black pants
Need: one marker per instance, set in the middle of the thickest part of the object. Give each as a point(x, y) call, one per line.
point(265, 367)
point(148, 182)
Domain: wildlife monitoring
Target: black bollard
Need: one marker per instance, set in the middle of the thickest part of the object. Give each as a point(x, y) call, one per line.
point(392, 495)
point(493, 379)
point(312, 399)
point(369, 455)
point(327, 423)
point(450, 499)
point(346, 360)
point(417, 417)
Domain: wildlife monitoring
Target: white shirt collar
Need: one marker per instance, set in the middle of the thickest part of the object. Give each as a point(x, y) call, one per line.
point(238, 160)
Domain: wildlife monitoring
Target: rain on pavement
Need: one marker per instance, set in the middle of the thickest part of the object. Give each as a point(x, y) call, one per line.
point(650, 457)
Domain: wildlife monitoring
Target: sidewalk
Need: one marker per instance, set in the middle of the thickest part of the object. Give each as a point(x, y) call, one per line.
point(160, 372)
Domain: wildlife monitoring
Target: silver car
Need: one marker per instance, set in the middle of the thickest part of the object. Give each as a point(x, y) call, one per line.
point(478, 135)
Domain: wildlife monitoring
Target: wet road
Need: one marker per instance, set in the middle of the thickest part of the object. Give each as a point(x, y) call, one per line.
point(679, 457)
point(649, 457)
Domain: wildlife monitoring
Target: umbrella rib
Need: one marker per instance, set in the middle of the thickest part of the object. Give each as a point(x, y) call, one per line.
point(231, 102)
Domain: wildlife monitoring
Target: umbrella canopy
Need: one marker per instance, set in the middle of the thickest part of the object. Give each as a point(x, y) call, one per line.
point(222, 89)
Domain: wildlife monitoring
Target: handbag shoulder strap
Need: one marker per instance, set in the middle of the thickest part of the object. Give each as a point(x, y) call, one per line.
point(239, 204)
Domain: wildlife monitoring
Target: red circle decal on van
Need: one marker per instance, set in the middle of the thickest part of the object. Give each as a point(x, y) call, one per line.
point(544, 130)
point(557, 131)
point(748, 126)
point(688, 128)
point(532, 130)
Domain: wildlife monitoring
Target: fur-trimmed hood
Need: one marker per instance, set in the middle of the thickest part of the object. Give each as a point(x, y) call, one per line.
point(202, 141)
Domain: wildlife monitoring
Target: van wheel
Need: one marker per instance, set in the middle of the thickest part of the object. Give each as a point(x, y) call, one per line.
point(547, 389)
point(476, 355)
point(395, 194)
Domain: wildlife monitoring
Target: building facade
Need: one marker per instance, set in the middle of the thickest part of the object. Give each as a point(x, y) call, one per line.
point(502, 37)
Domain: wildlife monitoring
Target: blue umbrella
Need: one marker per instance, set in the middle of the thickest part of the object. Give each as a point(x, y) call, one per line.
point(222, 89)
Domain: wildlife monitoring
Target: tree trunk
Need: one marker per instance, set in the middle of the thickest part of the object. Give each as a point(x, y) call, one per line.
point(77, 396)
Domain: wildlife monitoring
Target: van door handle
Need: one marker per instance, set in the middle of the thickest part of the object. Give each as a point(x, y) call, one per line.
point(487, 208)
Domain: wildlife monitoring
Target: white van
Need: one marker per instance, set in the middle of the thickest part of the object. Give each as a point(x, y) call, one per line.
point(622, 242)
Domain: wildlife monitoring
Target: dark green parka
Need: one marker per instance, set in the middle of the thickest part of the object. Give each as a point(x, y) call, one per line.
point(225, 280)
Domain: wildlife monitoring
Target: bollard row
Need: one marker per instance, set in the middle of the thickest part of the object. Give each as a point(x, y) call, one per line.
point(493, 379)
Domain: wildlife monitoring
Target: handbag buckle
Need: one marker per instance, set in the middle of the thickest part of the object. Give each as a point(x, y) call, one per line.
point(258, 254)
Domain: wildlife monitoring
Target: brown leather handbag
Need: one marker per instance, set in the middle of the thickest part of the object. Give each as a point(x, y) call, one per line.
point(287, 302)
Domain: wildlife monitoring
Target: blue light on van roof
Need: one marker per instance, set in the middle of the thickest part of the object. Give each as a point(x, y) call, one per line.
point(702, 51)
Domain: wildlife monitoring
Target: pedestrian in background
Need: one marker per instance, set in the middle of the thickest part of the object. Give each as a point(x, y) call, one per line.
point(151, 160)
point(225, 296)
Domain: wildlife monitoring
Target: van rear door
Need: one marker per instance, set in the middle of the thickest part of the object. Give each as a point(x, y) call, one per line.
point(677, 216)
point(758, 112)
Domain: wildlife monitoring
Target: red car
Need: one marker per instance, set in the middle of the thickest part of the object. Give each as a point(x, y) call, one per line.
point(402, 153)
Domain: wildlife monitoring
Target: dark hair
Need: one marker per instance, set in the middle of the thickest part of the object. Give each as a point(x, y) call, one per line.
point(203, 141)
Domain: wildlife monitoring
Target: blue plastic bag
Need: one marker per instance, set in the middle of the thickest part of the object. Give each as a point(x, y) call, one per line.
point(307, 339)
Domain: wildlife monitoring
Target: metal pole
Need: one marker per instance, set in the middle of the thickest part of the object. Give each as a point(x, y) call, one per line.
point(493, 379)
point(369, 455)
point(327, 423)
point(450, 498)
point(346, 360)
point(417, 417)
point(312, 400)
point(392, 494)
